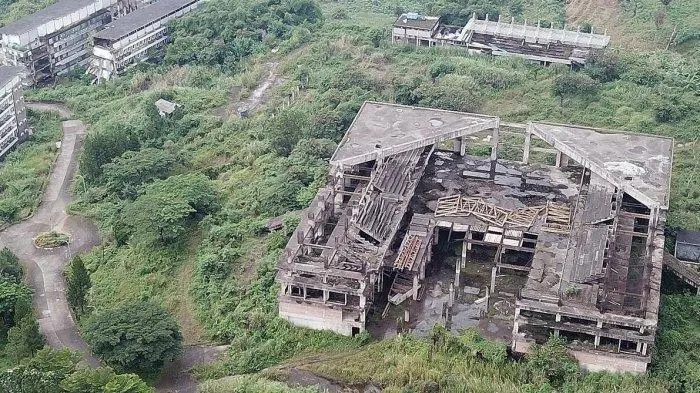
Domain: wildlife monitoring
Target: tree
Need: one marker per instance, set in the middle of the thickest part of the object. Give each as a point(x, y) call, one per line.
point(552, 362)
point(573, 84)
point(79, 284)
point(24, 339)
point(135, 336)
point(160, 214)
point(56, 371)
point(127, 172)
point(10, 268)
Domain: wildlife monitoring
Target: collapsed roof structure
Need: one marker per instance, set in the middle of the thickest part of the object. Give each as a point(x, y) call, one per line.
point(543, 44)
point(583, 232)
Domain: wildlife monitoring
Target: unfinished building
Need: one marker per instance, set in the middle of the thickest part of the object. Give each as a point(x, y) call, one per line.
point(13, 115)
point(137, 36)
point(543, 44)
point(580, 232)
point(56, 39)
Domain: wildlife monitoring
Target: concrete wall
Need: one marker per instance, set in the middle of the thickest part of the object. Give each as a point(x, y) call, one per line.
point(317, 317)
point(596, 361)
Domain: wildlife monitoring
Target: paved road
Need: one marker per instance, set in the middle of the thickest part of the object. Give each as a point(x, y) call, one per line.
point(44, 267)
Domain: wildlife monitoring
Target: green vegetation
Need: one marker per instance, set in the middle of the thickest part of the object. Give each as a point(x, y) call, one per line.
point(24, 170)
point(59, 371)
point(135, 337)
point(676, 358)
point(11, 10)
point(51, 239)
point(78, 280)
point(449, 363)
point(19, 331)
point(249, 384)
point(182, 201)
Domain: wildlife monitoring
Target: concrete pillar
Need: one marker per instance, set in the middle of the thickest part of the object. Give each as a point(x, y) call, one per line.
point(469, 237)
point(415, 287)
point(599, 325)
point(493, 279)
point(406, 316)
point(556, 332)
point(462, 146)
point(451, 298)
point(596, 342)
point(458, 270)
point(639, 346)
point(644, 348)
point(557, 318)
point(526, 148)
point(456, 145)
point(562, 160)
point(619, 345)
point(494, 144)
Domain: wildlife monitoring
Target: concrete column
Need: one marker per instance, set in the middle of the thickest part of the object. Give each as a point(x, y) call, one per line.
point(596, 343)
point(406, 316)
point(415, 287)
point(462, 146)
point(451, 298)
point(556, 332)
point(456, 145)
point(639, 346)
point(493, 279)
point(494, 144)
point(469, 237)
point(557, 318)
point(644, 348)
point(562, 160)
point(526, 148)
point(458, 270)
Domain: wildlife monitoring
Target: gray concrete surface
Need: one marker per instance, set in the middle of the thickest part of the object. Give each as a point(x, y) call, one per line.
point(44, 268)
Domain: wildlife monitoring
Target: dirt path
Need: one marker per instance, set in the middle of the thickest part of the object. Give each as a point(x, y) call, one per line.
point(257, 97)
point(44, 268)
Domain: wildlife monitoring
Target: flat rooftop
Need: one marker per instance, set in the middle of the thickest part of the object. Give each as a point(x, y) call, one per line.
point(7, 73)
point(381, 129)
point(537, 34)
point(639, 164)
point(415, 21)
point(140, 18)
point(57, 10)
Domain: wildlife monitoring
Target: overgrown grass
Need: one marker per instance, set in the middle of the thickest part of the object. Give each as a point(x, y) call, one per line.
point(465, 363)
point(24, 171)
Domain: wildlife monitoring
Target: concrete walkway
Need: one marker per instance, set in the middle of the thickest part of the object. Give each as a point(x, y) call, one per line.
point(44, 268)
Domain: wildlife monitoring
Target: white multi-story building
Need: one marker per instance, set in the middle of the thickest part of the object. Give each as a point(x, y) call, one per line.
point(135, 37)
point(57, 39)
point(13, 115)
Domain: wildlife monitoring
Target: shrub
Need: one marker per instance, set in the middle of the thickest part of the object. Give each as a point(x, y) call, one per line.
point(135, 336)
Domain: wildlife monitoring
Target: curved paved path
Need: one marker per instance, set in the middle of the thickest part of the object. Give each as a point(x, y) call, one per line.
point(44, 268)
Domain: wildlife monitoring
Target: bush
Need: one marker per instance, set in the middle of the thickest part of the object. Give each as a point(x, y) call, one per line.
point(51, 240)
point(552, 363)
point(135, 337)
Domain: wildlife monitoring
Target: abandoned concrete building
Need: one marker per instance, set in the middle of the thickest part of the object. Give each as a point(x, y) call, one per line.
point(13, 115)
point(545, 45)
point(139, 35)
point(566, 223)
point(57, 39)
